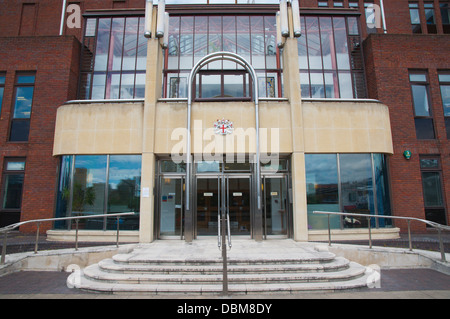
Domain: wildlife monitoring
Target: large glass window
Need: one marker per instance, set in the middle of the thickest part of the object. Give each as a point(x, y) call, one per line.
point(193, 37)
point(444, 82)
point(330, 58)
point(113, 58)
point(352, 183)
point(99, 184)
point(421, 102)
point(11, 191)
point(23, 101)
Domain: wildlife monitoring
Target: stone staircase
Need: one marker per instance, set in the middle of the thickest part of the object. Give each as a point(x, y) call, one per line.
point(281, 266)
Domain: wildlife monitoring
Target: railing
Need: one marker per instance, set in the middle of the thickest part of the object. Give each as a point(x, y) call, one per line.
point(439, 227)
point(9, 228)
point(224, 234)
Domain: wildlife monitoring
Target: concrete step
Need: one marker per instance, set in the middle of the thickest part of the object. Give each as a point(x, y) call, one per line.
point(94, 272)
point(110, 265)
point(268, 267)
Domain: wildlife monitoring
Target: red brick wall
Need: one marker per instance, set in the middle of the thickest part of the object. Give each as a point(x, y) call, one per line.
point(388, 59)
point(55, 60)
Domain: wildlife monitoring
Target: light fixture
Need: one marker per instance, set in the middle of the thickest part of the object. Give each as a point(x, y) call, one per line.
point(165, 43)
point(148, 18)
point(284, 18)
point(160, 22)
point(296, 18)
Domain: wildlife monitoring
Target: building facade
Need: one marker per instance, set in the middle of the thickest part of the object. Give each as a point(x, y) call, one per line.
point(99, 116)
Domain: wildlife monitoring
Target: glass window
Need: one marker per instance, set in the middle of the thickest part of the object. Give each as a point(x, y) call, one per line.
point(382, 189)
point(252, 37)
point(89, 182)
point(432, 189)
point(444, 82)
point(322, 190)
point(421, 103)
point(322, 4)
point(23, 101)
point(114, 58)
point(445, 16)
point(415, 17)
point(124, 185)
point(430, 17)
point(99, 184)
point(330, 58)
point(356, 187)
point(13, 179)
point(2, 88)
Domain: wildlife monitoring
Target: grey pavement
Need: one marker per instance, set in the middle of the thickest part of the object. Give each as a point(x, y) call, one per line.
point(395, 283)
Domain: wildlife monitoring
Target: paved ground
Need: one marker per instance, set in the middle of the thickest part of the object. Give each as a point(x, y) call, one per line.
point(395, 284)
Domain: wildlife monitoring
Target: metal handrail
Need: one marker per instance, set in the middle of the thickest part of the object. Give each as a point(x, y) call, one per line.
point(438, 226)
point(11, 227)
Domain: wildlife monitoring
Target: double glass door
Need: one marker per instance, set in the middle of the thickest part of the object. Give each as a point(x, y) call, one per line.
point(230, 194)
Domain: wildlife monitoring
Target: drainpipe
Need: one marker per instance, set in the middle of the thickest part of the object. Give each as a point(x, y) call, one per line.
point(382, 16)
point(63, 14)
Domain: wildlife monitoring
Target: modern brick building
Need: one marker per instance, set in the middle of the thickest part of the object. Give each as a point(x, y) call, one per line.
point(352, 116)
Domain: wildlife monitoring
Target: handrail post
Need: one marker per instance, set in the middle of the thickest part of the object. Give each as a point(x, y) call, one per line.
point(117, 235)
point(441, 246)
point(370, 232)
point(76, 234)
point(37, 238)
point(5, 238)
point(329, 231)
point(409, 234)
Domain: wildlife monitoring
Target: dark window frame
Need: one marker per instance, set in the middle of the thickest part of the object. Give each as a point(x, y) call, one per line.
point(430, 210)
point(5, 173)
point(356, 62)
point(14, 121)
point(444, 83)
point(205, 20)
point(2, 87)
point(89, 51)
point(415, 27)
point(420, 119)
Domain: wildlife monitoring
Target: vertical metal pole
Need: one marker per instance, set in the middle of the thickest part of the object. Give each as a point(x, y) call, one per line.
point(37, 238)
point(370, 232)
point(117, 235)
point(5, 238)
point(329, 231)
point(76, 234)
point(409, 234)
point(224, 234)
point(441, 246)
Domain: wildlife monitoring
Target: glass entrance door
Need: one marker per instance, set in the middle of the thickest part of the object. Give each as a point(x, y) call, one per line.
point(228, 193)
point(275, 221)
point(171, 193)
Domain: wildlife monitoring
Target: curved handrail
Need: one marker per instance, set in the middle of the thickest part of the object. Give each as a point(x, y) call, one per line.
point(438, 226)
point(11, 227)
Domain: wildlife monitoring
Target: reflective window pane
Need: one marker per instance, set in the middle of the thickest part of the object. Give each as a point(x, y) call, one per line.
point(432, 189)
point(12, 197)
point(23, 102)
point(356, 187)
point(420, 99)
point(322, 189)
point(89, 182)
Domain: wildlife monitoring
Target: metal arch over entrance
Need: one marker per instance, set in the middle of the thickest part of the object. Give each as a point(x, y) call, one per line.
point(257, 235)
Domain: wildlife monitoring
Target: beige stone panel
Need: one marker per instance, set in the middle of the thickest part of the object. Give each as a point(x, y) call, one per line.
point(347, 127)
point(98, 129)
